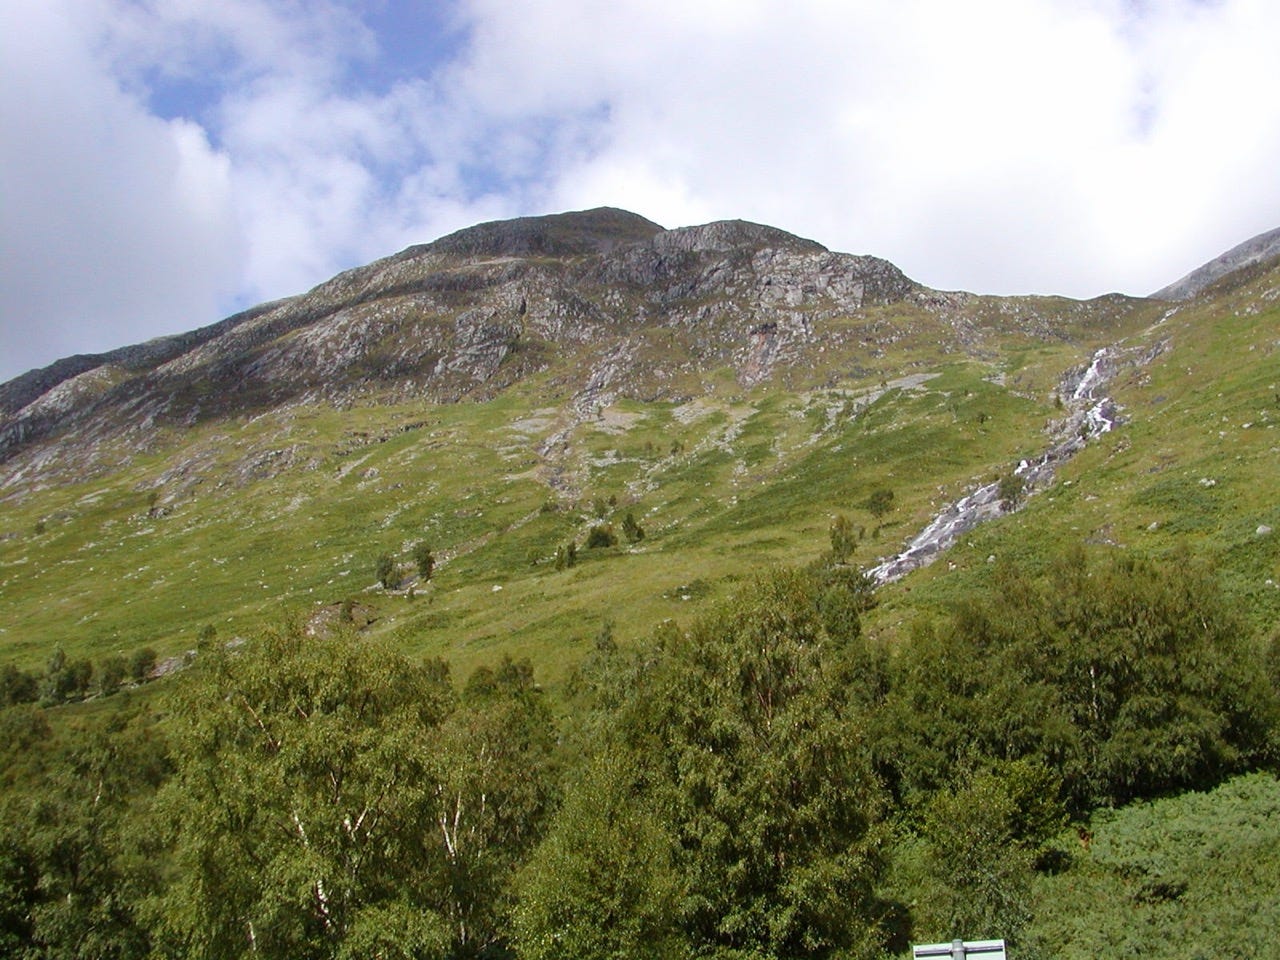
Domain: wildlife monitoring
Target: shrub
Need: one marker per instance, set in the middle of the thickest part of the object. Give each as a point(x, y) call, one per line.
point(65, 679)
point(17, 686)
point(385, 570)
point(142, 663)
point(601, 535)
point(843, 539)
point(880, 502)
point(1124, 677)
point(566, 556)
point(631, 529)
point(425, 560)
point(111, 673)
point(1010, 491)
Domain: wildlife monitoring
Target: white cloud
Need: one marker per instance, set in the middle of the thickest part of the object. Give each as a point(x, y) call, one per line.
point(1005, 146)
point(111, 216)
point(1008, 146)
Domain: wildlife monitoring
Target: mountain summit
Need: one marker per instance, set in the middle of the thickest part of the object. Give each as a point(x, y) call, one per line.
point(591, 306)
point(475, 312)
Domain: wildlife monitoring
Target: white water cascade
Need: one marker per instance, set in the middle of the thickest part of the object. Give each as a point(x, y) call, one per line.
point(1090, 415)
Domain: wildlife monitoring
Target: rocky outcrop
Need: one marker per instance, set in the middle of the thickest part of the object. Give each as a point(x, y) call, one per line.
point(467, 315)
point(1265, 246)
point(605, 302)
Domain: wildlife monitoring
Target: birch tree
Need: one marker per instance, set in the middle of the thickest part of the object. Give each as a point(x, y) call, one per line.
point(297, 809)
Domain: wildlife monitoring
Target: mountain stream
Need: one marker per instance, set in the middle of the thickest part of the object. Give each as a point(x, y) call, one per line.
point(1090, 414)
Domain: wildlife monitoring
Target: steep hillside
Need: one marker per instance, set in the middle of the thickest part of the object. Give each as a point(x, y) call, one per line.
point(496, 393)
point(567, 456)
point(1256, 250)
point(602, 304)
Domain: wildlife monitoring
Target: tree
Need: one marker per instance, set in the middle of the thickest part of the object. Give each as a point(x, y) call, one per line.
point(603, 884)
point(425, 560)
point(333, 799)
point(1126, 677)
point(492, 795)
point(385, 570)
point(749, 748)
point(1010, 491)
point(631, 529)
point(142, 663)
point(566, 556)
point(601, 535)
point(843, 539)
point(972, 879)
point(880, 502)
point(80, 846)
point(65, 679)
point(304, 771)
point(111, 673)
point(17, 686)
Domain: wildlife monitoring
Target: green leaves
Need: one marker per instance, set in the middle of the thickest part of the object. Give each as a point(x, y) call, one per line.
point(749, 753)
point(1127, 677)
point(603, 884)
point(330, 792)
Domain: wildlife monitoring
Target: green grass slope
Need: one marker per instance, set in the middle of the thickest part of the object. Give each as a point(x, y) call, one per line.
point(1188, 876)
point(236, 523)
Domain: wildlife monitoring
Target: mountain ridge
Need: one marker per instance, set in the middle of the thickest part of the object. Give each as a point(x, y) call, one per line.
point(1258, 249)
point(733, 385)
point(600, 304)
point(446, 316)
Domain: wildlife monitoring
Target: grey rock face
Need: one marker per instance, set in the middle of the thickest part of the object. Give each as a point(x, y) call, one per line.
point(608, 303)
point(1262, 247)
point(473, 311)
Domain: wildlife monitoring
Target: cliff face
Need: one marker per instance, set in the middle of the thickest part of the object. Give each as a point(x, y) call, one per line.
point(601, 304)
point(465, 316)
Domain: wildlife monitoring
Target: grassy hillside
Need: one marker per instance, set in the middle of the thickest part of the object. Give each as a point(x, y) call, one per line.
point(1188, 876)
point(229, 527)
point(233, 523)
point(230, 524)
point(1191, 468)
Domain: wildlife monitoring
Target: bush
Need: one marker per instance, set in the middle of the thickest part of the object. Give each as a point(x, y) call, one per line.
point(425, 560)
point(385, 570)
point(880, 502)
point(1010, 491)
point(601, 535)
point(141, 664)
point(566, 556)
point(17, 686)
point(111, 674)
point(631, 529)
point(843, 539)
point(1126, 678)
point(65, 679)
point(741, 767)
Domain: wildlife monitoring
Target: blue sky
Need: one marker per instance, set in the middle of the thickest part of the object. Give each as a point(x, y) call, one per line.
point(166, 162)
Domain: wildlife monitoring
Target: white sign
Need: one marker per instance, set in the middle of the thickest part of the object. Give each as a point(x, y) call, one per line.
point(960, 950)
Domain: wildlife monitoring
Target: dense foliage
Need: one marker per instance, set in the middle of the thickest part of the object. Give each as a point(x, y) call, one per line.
point(1127, 678)
point(765, 782)
point(747, 750)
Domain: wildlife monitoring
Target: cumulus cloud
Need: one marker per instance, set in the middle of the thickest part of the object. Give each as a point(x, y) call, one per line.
point(173, 161)
point(106, 208)
point(1007, 146)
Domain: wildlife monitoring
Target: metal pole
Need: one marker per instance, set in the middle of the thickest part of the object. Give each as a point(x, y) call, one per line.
point(957, 950)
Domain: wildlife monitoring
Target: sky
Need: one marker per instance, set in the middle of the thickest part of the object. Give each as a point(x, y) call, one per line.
point(165, 163)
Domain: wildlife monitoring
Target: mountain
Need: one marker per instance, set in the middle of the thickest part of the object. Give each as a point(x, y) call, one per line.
point(499, 391)
point(614, 304)
point(1257, 250)
point(469, 315)
point(624, 482)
